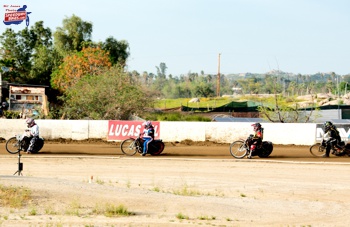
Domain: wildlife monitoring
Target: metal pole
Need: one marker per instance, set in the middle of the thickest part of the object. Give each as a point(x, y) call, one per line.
point(0, 88)
point(218, 80)
point(338, 97)
point(9, 98)
point(346, 87)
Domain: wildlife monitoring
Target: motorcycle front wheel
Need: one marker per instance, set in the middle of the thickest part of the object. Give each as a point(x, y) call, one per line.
point(13, 146)
point(239, 149)
point(129, 147)
point(318, 150)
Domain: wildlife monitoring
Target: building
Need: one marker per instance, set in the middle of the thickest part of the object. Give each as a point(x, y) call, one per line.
point(28, 99)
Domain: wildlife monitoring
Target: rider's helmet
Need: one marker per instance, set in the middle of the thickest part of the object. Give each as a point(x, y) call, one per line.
point(256, 126)
point(327, 126)
point(30, 122)
point(147, 124)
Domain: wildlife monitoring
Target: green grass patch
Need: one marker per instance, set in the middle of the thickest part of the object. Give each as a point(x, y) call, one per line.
point(99, 181)
point(186, 191)
point(156, 189)
point(204, 103)
point(111, 210)
point(205, 217)
point(175, 116)
point(32, 211)
point(181, 216)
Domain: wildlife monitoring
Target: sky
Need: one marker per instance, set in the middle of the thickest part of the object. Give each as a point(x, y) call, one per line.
point(226, 36)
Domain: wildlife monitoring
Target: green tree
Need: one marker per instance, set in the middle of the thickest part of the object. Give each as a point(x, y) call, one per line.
point(160, 81)
point(330, 86)
point(40, 36)
point(73, 33)
point(44, 58)
point(161, 70)
point(291, 88)
point(43, 62)
point(17, 50)
point(182, 91)
point(110, 96)
point(203, 90)
point(118, 50)
point(254, 86)
point(145, 78)
point(25, 51)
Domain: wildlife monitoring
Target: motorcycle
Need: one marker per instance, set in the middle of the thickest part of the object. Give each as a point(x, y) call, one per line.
point(131, 146)
point(21, 143)
point(319, 149)
point(240, 149)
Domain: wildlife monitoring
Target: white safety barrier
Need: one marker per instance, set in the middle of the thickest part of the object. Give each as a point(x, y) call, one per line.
point(171, 131)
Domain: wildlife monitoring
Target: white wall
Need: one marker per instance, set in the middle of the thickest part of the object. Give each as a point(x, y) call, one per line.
point(179, 131)
point(221, 132)
point(296, 133)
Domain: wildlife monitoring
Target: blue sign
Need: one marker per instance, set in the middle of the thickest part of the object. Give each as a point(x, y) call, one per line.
point(5, 69)
point(16, 14)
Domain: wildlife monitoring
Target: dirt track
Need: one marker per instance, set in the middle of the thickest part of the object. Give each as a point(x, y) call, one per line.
point(173, 150)
point(197, 184)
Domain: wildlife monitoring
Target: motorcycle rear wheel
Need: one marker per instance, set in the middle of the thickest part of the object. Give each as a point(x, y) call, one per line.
point(158, 147)
point(265, 150)
point(239, 149)
point(318, 150)
point(38, 145)
point(13, 145)
point(130, 147)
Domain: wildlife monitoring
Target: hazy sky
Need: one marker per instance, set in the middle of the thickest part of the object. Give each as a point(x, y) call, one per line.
point(297, 36)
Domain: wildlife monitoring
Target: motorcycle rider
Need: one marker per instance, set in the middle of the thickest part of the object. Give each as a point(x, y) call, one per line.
point(255, 140)
point(334, 137)
point(33, 133)
point(148, 136)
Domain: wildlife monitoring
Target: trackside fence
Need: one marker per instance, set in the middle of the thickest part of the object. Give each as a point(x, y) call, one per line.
point(170, 131)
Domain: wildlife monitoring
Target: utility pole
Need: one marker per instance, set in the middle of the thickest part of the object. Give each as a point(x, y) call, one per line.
point(339, 117)
point(0, 88)
point(218, 80)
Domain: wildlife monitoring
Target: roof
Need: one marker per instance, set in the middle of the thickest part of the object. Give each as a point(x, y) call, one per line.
point(26, 85)
point(237, 119)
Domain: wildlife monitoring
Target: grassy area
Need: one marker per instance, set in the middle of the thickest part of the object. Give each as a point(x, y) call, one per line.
point(204, 102)
point(174, 117)
point(215, 102)
point(209, 103)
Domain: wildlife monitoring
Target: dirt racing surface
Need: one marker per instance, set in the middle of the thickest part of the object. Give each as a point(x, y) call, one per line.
point(189, 184)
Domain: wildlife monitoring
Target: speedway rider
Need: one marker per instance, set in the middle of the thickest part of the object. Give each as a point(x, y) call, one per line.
point(148, 136)
point(33, 133)
point(255, 140)
point(334, 138)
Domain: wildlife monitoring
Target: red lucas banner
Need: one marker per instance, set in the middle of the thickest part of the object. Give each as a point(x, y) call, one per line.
point(121, 130)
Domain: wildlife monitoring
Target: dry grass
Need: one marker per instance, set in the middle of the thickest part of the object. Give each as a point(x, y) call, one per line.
point(14, 197)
